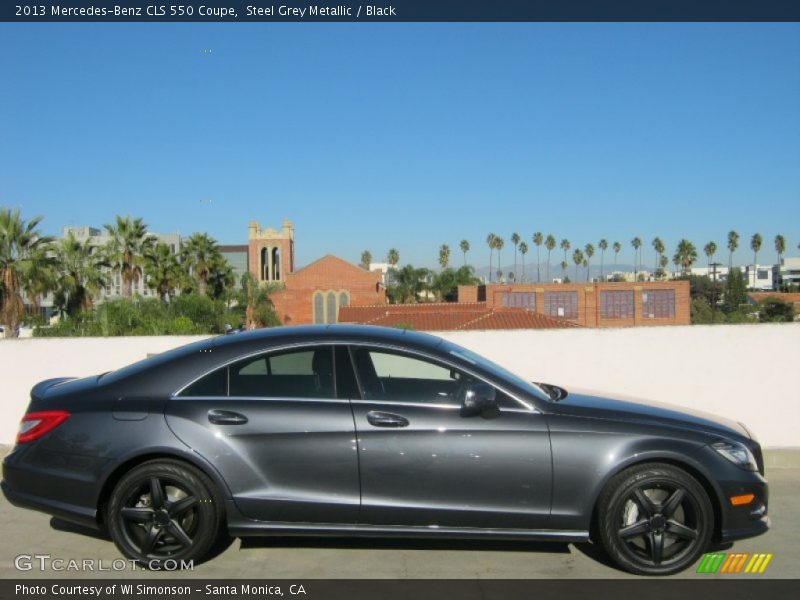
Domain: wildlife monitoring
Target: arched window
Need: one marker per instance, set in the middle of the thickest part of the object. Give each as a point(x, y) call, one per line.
point(264, 266)
point(319, 308)
point(344, 299)
point(330, 312)
point(276, 264)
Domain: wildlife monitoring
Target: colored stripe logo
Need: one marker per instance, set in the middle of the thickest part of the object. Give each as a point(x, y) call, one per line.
point(733, 563)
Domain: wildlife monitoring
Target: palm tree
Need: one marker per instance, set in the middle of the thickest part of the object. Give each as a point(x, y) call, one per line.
point(564, 245)
point(81, 274)
point(663, 262)
point(603, 245)
point(499, 243)
point(259, 310)
point(490, 241)
point(585, 264)
point(366, 259)
point(589, 249)
point(733, 244)
point(125, 250)
point(464, 245)
point(409, 282)
point(393, 256)
point(659, 247)
point(162, 271)
point(710, 250)
point(39, 277)
point(515, 239)
point(564, 265)
point(577, 258)
point(444, 256)
point(636, 243)
point(617, 249)
point(755, 246)
point(549, 244)
point(198, 254)
point(780, 248)
point(221, 279)
point(685, 255)
point(20, 246)
point(538, 239)
point(523, 250)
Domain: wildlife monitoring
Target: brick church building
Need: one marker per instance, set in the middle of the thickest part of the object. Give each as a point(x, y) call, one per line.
point(315, 293)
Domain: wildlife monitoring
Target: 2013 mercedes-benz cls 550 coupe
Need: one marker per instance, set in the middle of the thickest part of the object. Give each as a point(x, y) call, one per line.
point(366, 431)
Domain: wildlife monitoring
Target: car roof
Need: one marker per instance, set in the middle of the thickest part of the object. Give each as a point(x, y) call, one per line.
point(344, 333)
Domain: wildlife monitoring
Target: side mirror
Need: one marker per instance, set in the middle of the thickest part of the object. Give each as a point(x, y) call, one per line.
point(479, 399)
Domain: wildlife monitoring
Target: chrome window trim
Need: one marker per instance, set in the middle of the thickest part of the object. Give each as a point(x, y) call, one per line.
point(268, 398)
point(525, 406)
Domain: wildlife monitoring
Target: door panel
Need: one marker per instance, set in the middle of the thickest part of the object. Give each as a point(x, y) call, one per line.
point(287, 451)
point(293, 460)
point(424, 464)
point(444, 469)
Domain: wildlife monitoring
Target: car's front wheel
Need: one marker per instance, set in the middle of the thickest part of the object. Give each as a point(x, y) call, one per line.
point(164, 510)
point(654, 519)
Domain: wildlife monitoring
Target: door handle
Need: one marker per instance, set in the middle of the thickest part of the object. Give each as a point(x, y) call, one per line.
point(386, 419)
point(226, 417)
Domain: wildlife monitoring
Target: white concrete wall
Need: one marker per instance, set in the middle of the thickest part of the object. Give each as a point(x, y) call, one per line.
point(745, 372)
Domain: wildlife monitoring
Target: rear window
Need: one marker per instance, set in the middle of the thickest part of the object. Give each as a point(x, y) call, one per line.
point(156, 360)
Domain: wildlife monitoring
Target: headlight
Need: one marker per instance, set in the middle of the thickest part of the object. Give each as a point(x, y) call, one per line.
point(737, 453)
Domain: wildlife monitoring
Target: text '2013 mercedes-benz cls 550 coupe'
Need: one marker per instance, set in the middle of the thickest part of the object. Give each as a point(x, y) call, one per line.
point(366, 431)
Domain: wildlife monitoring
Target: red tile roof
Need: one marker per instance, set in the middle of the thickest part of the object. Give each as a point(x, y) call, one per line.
point(791, 297)
point(450, 316)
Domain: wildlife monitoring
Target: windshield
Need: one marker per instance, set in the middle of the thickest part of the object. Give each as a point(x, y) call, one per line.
point(495, 369)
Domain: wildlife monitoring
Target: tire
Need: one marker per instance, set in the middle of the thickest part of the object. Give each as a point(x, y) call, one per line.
point(654, 519)
point(164, 510)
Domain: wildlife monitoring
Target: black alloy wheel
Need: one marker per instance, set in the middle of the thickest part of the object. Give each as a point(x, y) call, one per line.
point(164, 510)
point(655, 519)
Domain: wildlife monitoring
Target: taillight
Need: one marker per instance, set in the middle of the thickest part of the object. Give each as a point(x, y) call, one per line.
point(34, 425)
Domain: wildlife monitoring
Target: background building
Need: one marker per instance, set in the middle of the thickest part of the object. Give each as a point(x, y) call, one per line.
point(607, 304)
point(270, 252)
point(759, 277)
point(237, 257)
point(315, 293)
point(788, 272)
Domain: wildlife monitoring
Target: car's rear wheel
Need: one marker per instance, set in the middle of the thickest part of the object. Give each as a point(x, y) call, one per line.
point(654, 519)
point(164, 510)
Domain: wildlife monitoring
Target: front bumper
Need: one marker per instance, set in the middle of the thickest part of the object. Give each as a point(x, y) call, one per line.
point(740, 522)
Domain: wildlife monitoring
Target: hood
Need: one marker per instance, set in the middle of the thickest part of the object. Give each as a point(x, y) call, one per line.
point(594, 405)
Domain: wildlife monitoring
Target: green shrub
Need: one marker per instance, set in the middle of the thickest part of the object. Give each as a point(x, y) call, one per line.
point(775, 310)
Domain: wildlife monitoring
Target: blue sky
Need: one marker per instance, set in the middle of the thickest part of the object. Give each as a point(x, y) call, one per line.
point(373, 136)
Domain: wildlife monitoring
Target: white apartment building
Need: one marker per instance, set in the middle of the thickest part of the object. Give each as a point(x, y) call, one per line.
point(721, 272)
point(788, 272)
point(759, 277)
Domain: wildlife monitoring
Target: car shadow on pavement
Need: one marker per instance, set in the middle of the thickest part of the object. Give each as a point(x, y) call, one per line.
point(371, 543)
point(222, 544)
point(68, 527)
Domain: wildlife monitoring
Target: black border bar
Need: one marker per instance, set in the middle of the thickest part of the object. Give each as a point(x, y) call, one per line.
point(709, 588)
point(212, 11)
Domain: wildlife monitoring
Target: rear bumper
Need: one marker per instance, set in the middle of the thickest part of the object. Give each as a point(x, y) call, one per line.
point(68, 512)
point(30, 484)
